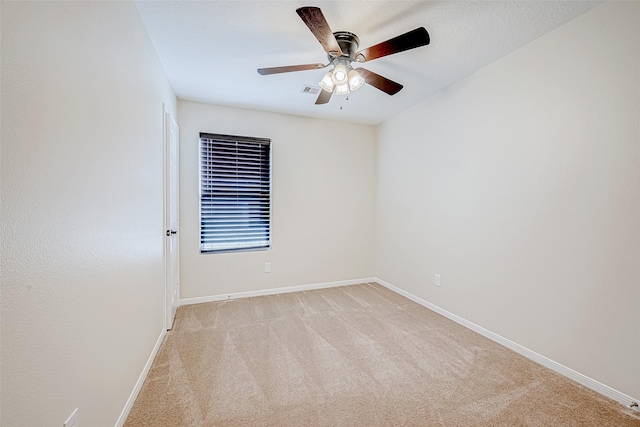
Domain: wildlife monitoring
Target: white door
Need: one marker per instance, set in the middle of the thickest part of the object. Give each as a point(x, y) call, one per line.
point(172, 264)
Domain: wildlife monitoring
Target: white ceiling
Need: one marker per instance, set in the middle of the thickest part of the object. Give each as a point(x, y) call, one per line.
point(211, 49)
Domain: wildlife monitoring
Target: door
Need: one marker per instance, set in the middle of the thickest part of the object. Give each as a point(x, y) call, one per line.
point(172, 220)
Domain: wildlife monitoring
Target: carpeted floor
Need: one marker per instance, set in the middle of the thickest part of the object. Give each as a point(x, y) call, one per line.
point(357, 355)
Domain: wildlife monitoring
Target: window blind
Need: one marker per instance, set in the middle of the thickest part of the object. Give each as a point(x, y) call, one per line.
point(235, 193)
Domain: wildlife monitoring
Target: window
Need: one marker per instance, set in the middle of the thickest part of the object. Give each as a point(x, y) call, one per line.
point(235, 193)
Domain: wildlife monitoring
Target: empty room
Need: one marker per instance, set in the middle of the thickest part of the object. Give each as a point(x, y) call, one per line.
point(331, 213)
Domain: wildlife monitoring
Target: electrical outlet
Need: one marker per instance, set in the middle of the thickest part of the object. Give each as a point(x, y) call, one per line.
point(267, 267)
point(437, 280)
point(72, 421)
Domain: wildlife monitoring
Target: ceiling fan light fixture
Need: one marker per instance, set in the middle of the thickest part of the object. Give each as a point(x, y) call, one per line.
point(326, 83)
point(342, 89)
point(340, 74)
point(355, 79)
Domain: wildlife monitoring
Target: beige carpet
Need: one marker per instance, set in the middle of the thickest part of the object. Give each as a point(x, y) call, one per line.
point(357, 355)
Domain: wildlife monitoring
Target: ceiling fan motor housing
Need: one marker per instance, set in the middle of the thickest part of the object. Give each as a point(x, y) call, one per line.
point(348, 43)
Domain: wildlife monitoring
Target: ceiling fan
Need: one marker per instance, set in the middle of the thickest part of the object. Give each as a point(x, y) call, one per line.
point(342, 51)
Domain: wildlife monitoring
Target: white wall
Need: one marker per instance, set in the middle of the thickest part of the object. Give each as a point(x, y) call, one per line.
point(520, 185)
point(323, 200)
point(82, 225)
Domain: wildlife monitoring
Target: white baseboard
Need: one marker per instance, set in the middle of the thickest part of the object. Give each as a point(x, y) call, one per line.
point(284, 290)
point(136, 389)
point(545, 361)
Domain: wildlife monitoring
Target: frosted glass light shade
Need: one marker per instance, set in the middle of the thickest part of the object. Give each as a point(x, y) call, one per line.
point(355, 80)
point(339, 76)
point(342, 89)
point(326, 82)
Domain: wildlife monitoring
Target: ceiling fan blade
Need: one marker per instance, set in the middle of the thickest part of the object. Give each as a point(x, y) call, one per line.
point(411, 40)
point(324, 97)
point(289, 68)
point(313, 17)
point(376, 80)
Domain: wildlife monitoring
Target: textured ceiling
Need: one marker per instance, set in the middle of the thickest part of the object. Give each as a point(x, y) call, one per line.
point(211, 49)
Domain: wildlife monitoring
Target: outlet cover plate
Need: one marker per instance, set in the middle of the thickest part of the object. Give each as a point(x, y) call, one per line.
point(437, 280)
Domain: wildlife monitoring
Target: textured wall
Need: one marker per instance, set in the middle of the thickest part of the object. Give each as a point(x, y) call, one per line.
point(323, 202)
point(82, 242)
point(520, 185)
